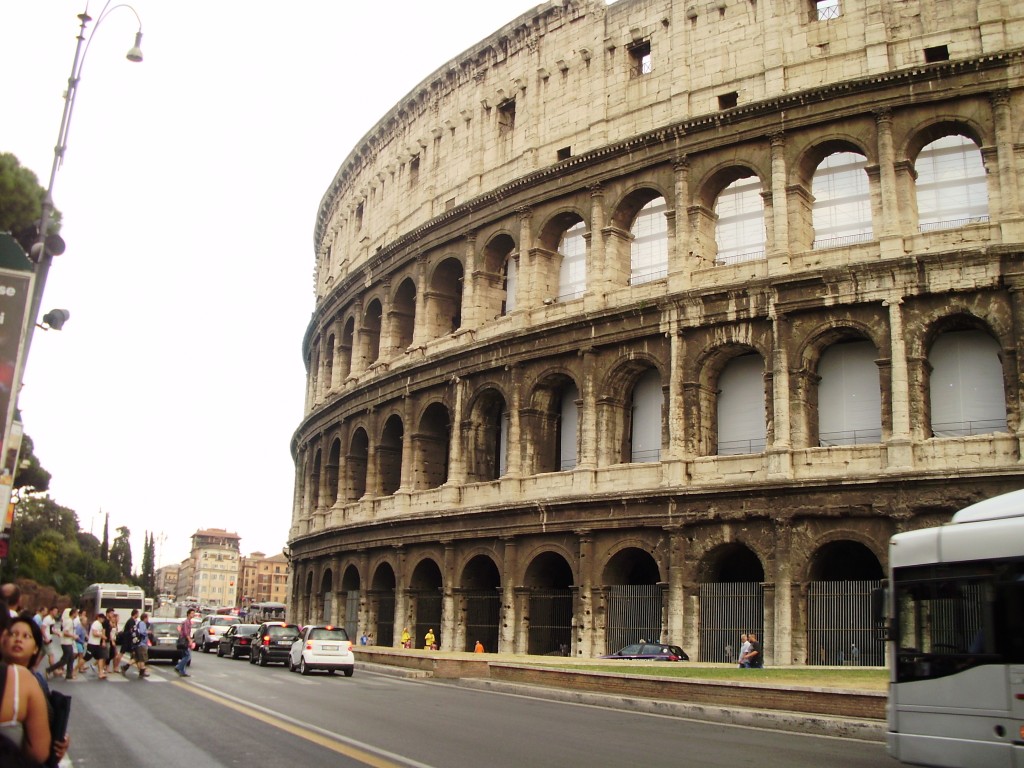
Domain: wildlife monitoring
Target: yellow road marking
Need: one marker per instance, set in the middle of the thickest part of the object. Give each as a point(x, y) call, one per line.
point(367, 758)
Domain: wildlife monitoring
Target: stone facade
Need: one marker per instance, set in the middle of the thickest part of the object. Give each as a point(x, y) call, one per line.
point(441, 480)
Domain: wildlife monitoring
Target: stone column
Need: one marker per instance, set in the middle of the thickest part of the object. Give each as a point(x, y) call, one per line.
point(527, 295)
point(588, 417)
point(780, 204)
point(509, 617)
point(585, 640)
point(401, 598)
point(899, 448)
point(680, 259)
point(1013, 363)
point(453, 632)
point(778, 432)
point(676, 577)
point(421, 327)
point(890, 236)
point(320, 372)
point(1010, 215)
point(472, 286)
point(599, 272)
point(372, 472)
point(780, 650)
point(515, 438)
point(364, 597)
point(456, 453)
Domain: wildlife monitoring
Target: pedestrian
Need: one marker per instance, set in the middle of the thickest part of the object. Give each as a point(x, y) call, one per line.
point(11, 594)
point(479, 647)
point(185, 644)
point(140, 644)
point(744, 649)
point(428, 640)
point(53, 657)
point(127, 644)
point(22, 648)
point(406, 638)
point(81, 640)
point(97, 647)
point(364, 639)
point(110, 634)
point(67, 642)
point(753, 655)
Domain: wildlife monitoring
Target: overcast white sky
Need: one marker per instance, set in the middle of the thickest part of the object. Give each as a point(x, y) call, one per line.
point(189, 193)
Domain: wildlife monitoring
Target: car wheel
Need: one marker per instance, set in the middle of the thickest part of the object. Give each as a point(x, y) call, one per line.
point(331, 671)
point(349, 671)
point(303, 669)
point(291, 664)
point(220, 653)
point(263, 659)
point(252, 657)
point(234, 653)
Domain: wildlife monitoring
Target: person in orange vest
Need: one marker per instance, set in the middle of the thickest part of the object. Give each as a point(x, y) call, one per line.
point(479, 648)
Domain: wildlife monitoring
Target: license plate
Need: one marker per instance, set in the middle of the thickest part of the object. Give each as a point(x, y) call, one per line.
point(329, 647)
point(283, 642)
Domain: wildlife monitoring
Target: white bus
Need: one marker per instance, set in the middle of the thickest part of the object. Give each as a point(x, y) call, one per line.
point(123, 598)
point(257, 613)
point(956, 639)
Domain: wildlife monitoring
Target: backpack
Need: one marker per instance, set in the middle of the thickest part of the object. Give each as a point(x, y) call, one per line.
point(137, 638)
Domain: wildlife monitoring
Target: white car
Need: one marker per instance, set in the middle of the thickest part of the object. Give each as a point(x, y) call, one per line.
point(322, 647)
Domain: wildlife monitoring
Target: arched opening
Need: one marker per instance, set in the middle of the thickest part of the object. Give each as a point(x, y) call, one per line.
point(840, 629)
point(389, 455)
point(345, 349)
point(382, 604)
point(739, 228)
point(355, 465)
point(842, 201)
point(444, 300)
point(549, 582)
point(648, 249)
point(327, 598)
point(314, 483)
point(403, 315)
point(333, 462)
point(481, 603)
point(636, 600)
point(952, 185)
point(433, 447)
point(348, 601)
point(371, 332)
point(849, 394)
point(424, 597)
point(572, 271)
point(487, 457)
point(966, 388)
point(645, 418)
point(741, 406)
point(731, 601)
point(499, 278)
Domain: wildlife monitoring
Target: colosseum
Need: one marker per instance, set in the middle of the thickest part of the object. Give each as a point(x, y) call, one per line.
point(655, 320)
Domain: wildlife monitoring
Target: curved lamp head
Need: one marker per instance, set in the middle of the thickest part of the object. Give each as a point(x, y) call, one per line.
point(55, 319)
point(135, 54)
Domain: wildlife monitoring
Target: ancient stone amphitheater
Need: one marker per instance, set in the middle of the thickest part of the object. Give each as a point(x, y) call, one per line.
point(654, 320)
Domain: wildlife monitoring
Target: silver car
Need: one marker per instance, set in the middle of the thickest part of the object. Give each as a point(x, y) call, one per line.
point(322, 647)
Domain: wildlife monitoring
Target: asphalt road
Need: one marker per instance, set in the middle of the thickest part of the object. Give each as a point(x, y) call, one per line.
point(232, 713)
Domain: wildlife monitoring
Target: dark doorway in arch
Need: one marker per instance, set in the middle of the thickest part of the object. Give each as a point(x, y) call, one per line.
point(355, 465)
point(382, 604)
point(636, 599)
point(481, 603)
point(325, 598)
point(731, 601)
point(424, 597)
point(349, 604)
point(549, 614)
point(839, 626)
point(389, 455)
point(432, 447)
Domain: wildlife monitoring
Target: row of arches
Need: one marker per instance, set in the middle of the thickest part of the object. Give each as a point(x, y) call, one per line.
point(544, 604)
point(836, 196)
point(529, 427)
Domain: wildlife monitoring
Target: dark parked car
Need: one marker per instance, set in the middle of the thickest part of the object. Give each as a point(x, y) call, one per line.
point(273, 643)
point(237, 641)
point(163, 633)
point(650, 652)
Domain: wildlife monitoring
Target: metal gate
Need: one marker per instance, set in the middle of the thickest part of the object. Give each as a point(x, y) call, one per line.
point(483, 611)
point(634, 614)
point(352, 615)
point(428, 616)
point(550, 622)
point(728, 610)
point(839, 626)
point(386, 618)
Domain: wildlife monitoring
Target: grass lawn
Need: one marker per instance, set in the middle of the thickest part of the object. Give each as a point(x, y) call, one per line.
point(873, 679)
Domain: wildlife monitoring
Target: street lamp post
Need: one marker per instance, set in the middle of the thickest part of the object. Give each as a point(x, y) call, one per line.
point(45, 249)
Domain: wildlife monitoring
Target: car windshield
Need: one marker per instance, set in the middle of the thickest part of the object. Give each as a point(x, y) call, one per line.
point(246, 629)
point(283, 632)
point(322, 633)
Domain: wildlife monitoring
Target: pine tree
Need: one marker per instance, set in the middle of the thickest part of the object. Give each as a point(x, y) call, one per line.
point(105, 544)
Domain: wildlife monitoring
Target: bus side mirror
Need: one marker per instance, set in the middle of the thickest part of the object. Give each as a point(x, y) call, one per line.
point(879, 614)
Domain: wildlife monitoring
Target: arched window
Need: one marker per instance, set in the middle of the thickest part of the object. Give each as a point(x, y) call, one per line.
point(572, 276)
point(842, 201)
point(967, 394)
point(952, 188)
point(645, 421)
point(568, 427)
point(849, 395)
point(648, 251)
point(739, 231)
point(741, 406)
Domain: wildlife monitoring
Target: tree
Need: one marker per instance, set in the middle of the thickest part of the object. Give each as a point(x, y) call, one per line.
point(105, 544)
point(148, 577)
point(21, 202)
point(30, 477)
point(121, 553)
